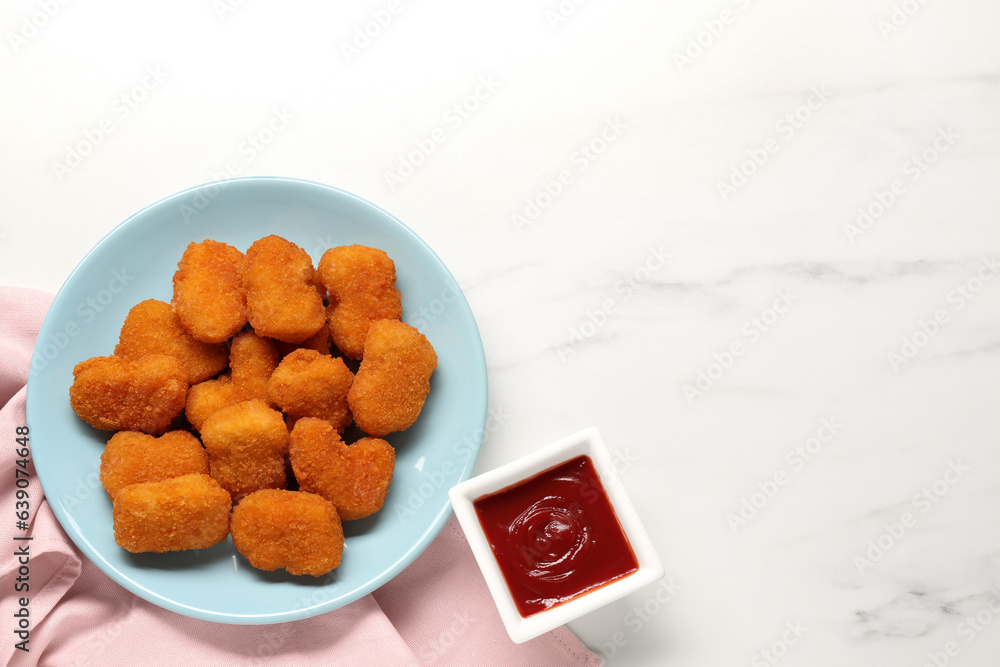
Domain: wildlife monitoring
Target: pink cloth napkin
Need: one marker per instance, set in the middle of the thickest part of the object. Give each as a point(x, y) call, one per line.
point(438, 611)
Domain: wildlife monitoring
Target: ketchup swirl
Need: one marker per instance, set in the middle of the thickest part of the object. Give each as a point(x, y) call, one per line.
point(551, 536)
point(555, 536)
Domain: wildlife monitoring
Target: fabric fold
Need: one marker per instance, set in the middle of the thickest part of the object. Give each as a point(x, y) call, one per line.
point(437, 611)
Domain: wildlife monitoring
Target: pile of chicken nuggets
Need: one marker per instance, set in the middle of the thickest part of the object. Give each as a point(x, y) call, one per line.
point(230, 403)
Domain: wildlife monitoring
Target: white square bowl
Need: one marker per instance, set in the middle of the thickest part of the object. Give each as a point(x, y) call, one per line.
point(587, 442)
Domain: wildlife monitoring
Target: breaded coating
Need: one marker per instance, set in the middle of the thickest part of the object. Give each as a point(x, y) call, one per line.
point(209, 297)
point(115, 394)
point(309, 384)
point(131, 457)
point(299, 532)
point(393, 380)
point(355, 478)
point(282, 299)
point(362, 286)
point(247, 444)
point(252, 359)
point(207, 397)
point(187, 512)
point(319, 341)
point(152, 327)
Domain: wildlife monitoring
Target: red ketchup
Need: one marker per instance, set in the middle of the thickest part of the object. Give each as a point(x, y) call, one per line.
point(555, 536)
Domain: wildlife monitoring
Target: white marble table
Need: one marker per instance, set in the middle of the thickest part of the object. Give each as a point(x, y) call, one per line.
point(755, 243)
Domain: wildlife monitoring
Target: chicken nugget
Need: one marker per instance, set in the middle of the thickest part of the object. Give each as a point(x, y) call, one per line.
point(186, 512)
point(393, 380)
point(355, 478)
point(299, 532)
point(309, 384)
point(319, 341)
point(252, 359)
point(362, 286)
point(207, 397)
point(115, 394)
point(282, 299)
point(131, 457)
point(246, 444)
point(209, 297)
point(152, 327)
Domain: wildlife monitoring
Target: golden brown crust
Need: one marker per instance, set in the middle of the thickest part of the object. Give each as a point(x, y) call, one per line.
point(282, 299)
point(152, 327)
point(309, 384)
point(187, 512)
point(355, 478)
point(209, 298)
point(299, 532)
point(207, 397)
point(131, 457)
point(252, 359)
point(362, 286)
point(319, 341)
point(247, 444)
point(393, 380)
point(115, 394)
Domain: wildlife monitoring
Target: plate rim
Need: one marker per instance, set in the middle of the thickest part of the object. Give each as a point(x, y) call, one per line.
point(404, 560)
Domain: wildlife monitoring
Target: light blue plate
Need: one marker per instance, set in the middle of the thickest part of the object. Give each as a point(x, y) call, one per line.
point(136, 261)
